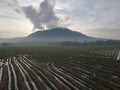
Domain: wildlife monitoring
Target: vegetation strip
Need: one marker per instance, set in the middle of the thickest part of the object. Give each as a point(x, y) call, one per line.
point(48, 82)
point(14, 74)
point(29, 78)
point(25, 79)
point(29, 66)
point(9, 75)
point(1, 70)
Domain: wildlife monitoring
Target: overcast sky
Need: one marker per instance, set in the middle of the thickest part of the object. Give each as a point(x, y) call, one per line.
point(97, 18)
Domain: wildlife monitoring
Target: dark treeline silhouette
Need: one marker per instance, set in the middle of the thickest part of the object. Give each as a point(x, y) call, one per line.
point(5, 44)
point(87, 43)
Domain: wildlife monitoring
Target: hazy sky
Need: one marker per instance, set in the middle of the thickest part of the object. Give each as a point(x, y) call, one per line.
point(98, 18)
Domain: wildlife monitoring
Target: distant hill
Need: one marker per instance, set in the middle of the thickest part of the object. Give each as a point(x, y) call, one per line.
point(57, 35)
point(61, 36)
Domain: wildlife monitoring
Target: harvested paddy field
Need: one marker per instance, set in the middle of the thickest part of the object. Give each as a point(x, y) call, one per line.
point(60, 68)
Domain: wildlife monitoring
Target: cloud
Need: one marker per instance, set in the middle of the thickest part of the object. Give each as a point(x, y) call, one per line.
point(43, 17)
point(66, 20)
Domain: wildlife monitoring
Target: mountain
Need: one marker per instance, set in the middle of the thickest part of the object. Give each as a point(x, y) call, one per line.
point(57, 35)
point(57, 32)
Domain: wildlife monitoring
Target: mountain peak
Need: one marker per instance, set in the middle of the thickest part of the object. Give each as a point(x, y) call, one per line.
point(64, 32)
point(57, 35)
